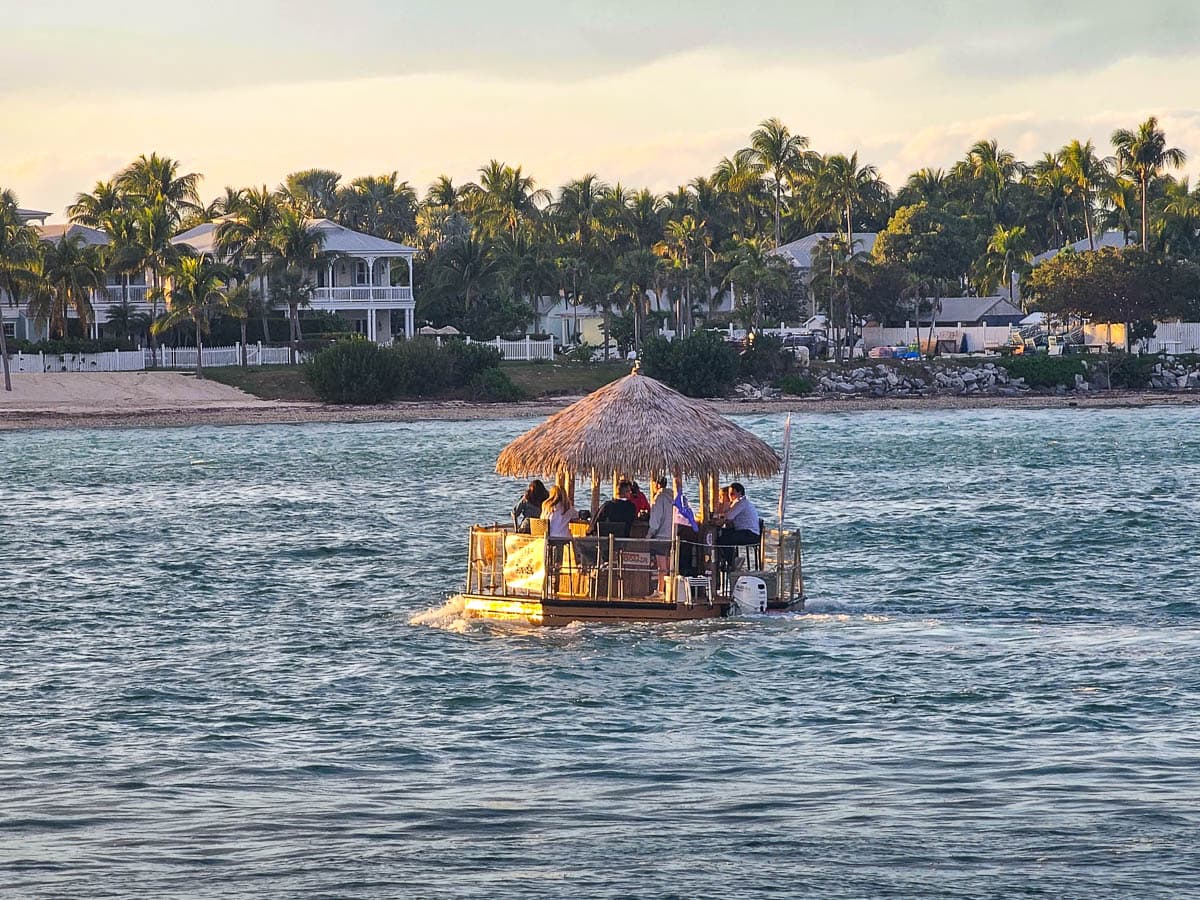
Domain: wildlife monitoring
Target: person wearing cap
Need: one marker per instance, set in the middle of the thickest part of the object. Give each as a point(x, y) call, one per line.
point(617, 511)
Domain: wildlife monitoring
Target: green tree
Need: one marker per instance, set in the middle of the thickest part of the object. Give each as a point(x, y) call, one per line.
point(297, 246)
point(1008, 254)
point(312, 193)
point(248, 234)
point(1088, 174)
point(380, 205)
point(778, 152)
point(71, 271)
point(197, 294)
point(19, 246)
point(1142, 153)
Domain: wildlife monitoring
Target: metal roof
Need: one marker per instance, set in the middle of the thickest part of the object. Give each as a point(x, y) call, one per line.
point(1107, 239)
point(800, 253)
point(972, 309)
point(338, 239)
point(91, 236)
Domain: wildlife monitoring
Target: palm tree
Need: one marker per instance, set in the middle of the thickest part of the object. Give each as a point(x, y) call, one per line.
point(507, 198)
point(841, 186)
point(71, 272)
point(197, 294)
point(155, 181)
point(312, 193)
point(467, 269)
point(1143, 154)
point(994, 168)
point(241, 302)
point(18, 261)
point(778, 151)
point(924, 185)
point(580, 204)
point(94, 210)
point(1119, 197)
point(248, 234)
point(1087, 173)
point(296, 247)
point(1009, 252)
point(754, 272)
point(379, 205)
point(638, 272)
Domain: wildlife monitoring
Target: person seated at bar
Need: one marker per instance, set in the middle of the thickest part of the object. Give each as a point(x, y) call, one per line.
point(618, 511)
point(530, 505)
point(742, 524)
point(662, 528)
point(640, 503)
point(722, 502)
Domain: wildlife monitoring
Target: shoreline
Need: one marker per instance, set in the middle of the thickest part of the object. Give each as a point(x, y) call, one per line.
point(265, 412)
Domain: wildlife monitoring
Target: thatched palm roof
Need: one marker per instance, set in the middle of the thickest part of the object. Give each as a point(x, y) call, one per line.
point(637, 424)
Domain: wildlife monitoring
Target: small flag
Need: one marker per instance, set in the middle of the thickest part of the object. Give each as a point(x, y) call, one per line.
point(685, 511)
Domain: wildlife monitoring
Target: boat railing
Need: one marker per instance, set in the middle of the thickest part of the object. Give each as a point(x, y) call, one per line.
point(506, 563)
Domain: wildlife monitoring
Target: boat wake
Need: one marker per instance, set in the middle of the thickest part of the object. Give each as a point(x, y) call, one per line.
point(449, 616)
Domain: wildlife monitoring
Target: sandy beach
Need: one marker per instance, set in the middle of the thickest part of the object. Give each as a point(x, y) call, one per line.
point(172, 399)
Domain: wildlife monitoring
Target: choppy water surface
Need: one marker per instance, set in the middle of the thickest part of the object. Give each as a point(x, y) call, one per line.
point(226, 669)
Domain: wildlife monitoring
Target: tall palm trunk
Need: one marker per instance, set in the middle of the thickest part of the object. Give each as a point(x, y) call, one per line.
point(1087, 219)
point(264, 305)
point(154, 290)
point(199, 350)
point(294, 317)
point(778, 199)
point(244, 323)
point(4, 352)
point(1145, 218)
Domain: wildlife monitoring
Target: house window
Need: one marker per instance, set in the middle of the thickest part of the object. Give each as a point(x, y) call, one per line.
point(360, 271)
point(10, 330)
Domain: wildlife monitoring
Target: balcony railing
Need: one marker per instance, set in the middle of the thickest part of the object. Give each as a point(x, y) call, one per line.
point(362, 293)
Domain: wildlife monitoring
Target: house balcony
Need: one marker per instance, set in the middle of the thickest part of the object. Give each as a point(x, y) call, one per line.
point(362, 293)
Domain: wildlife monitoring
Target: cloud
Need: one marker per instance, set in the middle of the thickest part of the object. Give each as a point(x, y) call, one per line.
point(658, 124)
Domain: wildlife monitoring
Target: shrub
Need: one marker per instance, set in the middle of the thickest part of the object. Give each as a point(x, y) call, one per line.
point(469, 361)
point(582, 353)
point(354, 371)
point(1127, 371)
point(494, 386)
point(764, 360)
point(1045, 371)
point(425, 369)
point(797, 385)
point(700, 365)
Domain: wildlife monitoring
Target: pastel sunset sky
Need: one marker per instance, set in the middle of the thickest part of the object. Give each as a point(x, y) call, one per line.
point(645, 93)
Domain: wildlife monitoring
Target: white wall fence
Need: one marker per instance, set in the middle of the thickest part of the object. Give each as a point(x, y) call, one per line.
point(516, 351)
point(1178, 337)
point(979, 337)
point(140, 360)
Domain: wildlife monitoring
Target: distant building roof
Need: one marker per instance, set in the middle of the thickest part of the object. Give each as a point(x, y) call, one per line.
point(28, 215)
point(90, 236)
point(973, 309)
point(1107, 239)
point(800, 253)
point(338, 239)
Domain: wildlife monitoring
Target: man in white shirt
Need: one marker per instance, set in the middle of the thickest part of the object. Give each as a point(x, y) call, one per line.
point(742, 524)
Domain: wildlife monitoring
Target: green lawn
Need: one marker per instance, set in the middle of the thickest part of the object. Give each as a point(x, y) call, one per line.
point(555, 379)
point(265, 382)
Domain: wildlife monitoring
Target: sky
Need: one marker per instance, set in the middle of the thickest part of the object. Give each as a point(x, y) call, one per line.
point(645, 93)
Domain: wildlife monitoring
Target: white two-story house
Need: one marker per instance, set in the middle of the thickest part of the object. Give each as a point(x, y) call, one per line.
point(362, 278)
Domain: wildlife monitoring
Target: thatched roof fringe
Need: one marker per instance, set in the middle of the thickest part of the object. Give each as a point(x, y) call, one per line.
point(637, 424)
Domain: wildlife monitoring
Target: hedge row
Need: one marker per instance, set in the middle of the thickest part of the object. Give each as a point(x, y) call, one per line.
point(360, 371)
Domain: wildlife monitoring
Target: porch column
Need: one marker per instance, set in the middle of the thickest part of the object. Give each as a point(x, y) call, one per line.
point(371, 324)
point(329, 279)
point(370, 271)
point(408, 323)
point(408, 259)
point(387, 272)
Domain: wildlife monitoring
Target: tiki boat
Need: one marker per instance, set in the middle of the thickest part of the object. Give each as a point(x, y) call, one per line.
point(634, 427)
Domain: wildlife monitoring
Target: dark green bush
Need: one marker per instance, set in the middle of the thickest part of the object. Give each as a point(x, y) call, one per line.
point(68, 345)
point(470, 360)
point(700, 365)
point(494, 386)
point(425, 369)
point(1125, 371)
point(354, 371)
point(1045, 371)
point(797, 385)
point(764, 360)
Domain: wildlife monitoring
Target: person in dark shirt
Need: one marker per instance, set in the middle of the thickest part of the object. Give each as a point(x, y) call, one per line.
point(640, 502)
point(618, 511)
point(530, 505)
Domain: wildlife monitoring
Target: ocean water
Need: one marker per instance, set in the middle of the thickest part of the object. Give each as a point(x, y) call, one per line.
point(228, 668)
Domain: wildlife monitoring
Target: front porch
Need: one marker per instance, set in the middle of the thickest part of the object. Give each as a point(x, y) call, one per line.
point(364, 280)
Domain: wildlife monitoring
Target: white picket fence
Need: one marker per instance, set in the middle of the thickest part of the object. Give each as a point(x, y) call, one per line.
point(142, 359)
point(526, 349)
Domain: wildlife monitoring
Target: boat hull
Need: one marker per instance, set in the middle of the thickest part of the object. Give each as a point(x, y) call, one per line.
point(565, 611)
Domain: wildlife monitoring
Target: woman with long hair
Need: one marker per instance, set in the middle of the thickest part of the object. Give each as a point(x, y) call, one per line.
point(530, 505)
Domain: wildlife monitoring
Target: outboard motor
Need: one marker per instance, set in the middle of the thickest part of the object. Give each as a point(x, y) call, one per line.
point(750, 595)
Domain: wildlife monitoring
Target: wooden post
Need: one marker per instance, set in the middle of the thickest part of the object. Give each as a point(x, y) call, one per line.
point(616, 479)
point(571, 488)
point(703, 499)
point(714, 489)
point(595, 493)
